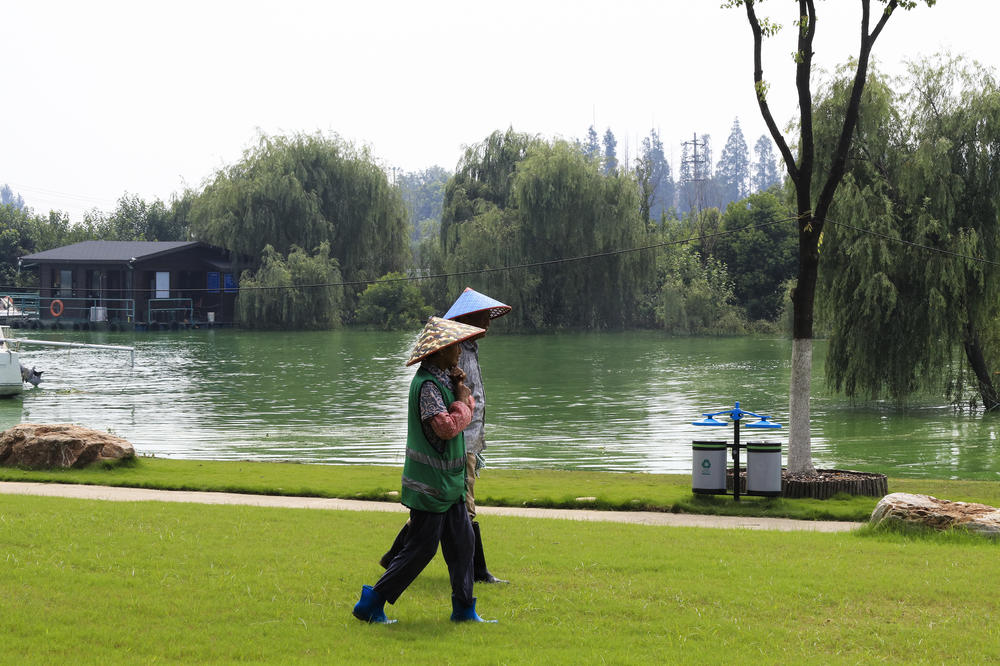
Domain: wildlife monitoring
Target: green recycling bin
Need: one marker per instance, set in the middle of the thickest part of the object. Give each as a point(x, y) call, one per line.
point(708, 467)
point(764, 468)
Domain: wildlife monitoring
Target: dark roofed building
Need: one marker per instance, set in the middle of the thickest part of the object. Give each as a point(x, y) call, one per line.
point(114, 252)
point(137, 282)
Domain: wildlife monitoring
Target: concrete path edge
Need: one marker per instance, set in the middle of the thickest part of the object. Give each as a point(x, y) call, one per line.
point(121, 494)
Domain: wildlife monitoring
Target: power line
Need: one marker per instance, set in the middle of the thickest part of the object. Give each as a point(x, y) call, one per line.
point(480, 271)
point(534, 264)
point(57, 194)
point(926, 248)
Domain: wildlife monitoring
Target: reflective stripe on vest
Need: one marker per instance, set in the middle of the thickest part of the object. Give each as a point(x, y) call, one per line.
point(420, 487)
point(436, 463)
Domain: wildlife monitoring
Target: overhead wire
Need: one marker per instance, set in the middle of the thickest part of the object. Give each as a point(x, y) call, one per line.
point(919, 246)
point(59, 194)
point(477, 271)
point(533, 264)
point(564, 260)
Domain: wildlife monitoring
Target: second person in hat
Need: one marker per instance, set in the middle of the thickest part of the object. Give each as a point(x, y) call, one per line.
point(474, 309)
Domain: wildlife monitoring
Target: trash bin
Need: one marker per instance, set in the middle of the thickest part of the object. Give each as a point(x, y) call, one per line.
point(708, 467)
point(764, 468)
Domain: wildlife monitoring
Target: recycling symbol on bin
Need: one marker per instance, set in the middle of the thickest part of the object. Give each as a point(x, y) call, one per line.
point(706, 463)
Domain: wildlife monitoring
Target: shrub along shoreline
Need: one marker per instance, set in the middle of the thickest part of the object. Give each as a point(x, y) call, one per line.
point(498, 487)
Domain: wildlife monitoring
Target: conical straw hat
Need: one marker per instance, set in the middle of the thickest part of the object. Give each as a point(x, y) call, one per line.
point(439, 333)
point(472, 301)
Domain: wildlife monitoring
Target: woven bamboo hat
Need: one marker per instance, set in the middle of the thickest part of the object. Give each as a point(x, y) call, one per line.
point(439, 333)
point(472, 301)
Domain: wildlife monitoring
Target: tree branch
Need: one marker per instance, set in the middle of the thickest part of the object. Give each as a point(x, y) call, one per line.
point(839, 163)
point(760, 88)
point(803, 69)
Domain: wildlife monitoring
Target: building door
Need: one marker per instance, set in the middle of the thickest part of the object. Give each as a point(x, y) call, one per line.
point(162, 284)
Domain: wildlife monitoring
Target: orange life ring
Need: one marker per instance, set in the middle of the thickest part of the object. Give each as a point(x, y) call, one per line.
point(56, 308)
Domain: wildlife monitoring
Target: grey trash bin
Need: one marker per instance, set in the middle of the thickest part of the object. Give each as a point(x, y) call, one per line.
point(708, 467)
point(763, 468)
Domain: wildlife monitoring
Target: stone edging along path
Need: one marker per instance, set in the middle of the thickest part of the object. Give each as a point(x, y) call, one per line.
point(116, 494)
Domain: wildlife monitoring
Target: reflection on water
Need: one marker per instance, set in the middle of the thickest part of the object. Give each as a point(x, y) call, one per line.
point(609, 401)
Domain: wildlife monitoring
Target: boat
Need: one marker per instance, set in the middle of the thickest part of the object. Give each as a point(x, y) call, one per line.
point(14, 374)
point(11, 381)
point(9, 309)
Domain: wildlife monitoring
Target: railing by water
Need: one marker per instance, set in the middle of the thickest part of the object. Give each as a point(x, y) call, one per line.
point(19, 306)
point(89, 309)
point(168, 310)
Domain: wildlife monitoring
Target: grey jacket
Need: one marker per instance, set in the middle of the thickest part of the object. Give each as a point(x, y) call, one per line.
point(475, 440)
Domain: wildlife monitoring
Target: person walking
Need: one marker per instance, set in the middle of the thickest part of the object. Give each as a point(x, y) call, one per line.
point(475, 309)
point(433, 484)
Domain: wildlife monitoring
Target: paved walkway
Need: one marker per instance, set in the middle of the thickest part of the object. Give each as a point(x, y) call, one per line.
point(115, 494)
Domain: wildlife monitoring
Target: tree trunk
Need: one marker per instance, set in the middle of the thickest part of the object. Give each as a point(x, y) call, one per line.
point(803, 300)
point(799, 437)
point(977, 361)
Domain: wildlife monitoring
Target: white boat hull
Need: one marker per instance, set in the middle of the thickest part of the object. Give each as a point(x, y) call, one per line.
point(10, 374)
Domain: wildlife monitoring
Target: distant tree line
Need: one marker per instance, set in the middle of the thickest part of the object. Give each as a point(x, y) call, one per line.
point(298, 212)
point(700, 183)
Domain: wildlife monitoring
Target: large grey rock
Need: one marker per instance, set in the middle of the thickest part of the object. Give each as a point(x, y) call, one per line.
point(39, 445)
point(937, 513)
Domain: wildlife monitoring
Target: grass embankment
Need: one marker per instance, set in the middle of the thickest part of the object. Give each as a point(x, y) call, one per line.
point(498, 487)
point(90, 582)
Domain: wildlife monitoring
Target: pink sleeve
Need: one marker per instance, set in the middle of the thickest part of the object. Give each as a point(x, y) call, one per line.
point(458, 417)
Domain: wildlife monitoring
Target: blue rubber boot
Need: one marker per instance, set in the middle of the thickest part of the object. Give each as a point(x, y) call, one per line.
point(370, 607)
point(462, 613)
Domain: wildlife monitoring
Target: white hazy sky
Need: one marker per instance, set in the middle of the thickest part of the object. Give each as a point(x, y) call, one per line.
point(148, 97)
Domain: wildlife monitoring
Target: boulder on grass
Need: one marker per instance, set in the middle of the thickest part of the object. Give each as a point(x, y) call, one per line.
point(43, 446)
point(940, 514)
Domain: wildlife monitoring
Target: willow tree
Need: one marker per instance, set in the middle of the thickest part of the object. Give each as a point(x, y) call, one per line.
point(516, 199)
point(482, 182)
point(814, 192)
point(869, 281)
point(899, 312)
point(302, 191)
point(480, 226)
point(568, 208)
point(292, 292)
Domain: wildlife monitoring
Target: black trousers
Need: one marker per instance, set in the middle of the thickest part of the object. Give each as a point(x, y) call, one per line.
point(453, 530)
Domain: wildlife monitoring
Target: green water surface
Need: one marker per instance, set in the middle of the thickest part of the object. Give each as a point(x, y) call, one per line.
point(600, 401)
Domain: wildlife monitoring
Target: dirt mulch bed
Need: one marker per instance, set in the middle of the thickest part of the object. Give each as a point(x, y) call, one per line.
point(826, 483)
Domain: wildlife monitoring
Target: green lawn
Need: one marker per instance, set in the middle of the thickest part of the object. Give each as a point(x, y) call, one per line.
point(108, 582)
point(497, 487)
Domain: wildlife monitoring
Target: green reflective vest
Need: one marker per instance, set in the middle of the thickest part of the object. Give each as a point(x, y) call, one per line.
point(432, 481)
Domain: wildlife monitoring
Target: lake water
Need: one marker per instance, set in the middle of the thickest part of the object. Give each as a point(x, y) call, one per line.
point(596, 401)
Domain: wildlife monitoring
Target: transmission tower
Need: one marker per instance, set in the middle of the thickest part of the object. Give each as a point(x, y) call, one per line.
point(694, 165)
